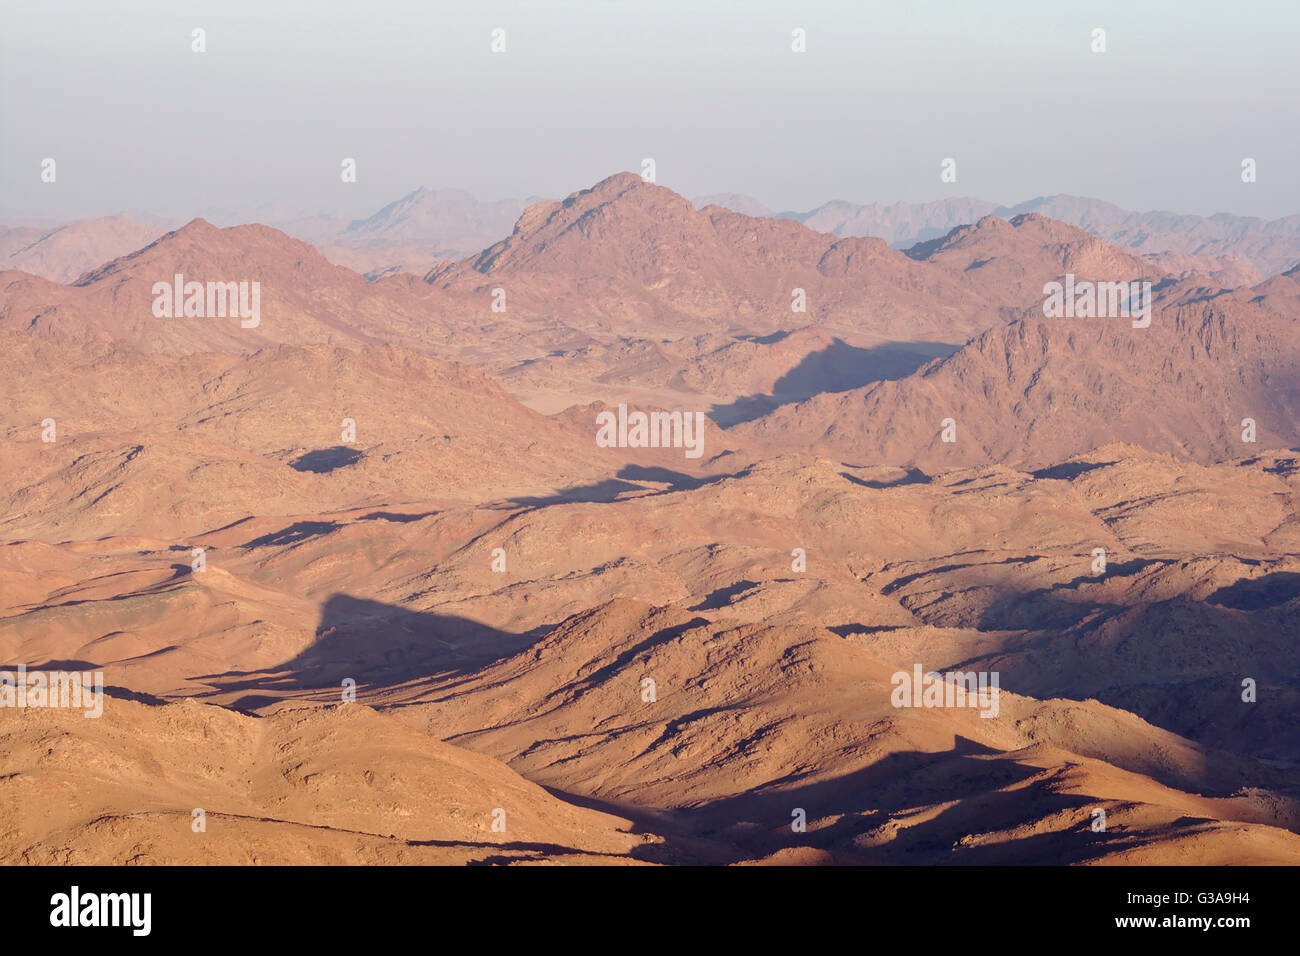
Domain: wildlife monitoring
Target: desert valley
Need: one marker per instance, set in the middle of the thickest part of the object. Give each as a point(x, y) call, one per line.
point(365, 582)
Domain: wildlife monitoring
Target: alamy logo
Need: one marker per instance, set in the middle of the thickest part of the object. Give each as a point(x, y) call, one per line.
point(103, 909)
point(953, 689)
point(1098, 300)
point(212, 300)
point(651, 430)
point(69, 689)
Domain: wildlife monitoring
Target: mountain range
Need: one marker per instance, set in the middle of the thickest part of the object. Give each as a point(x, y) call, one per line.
point(365, 587)
point(431, 227)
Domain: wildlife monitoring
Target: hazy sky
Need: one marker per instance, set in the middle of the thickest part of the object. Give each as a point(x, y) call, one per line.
point(138, 122)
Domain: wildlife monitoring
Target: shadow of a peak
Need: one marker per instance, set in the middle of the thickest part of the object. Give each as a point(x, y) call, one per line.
point(296, 532)
point(676, 480)
point(397, 518)
point(769, 339)
point(1070, 469)
point(325, 460)
point(376, 645)
point(721, 597)
point(599, 492)
point(839, 367)
point(1253, 594)
point(860, 812)
point(914, 476)
point(628, 481)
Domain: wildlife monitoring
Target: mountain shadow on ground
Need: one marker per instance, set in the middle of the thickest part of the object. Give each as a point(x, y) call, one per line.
point(839, 367)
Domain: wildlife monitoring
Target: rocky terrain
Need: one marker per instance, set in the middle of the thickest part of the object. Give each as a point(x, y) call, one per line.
point(365, 585)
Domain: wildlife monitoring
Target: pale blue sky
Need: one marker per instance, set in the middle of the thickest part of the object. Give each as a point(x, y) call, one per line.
point(711, 90)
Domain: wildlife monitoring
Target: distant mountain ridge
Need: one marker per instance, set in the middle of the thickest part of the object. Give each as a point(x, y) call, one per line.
point(627, 254)
point(65, 253)
point(428, 228)
point(1270, 246)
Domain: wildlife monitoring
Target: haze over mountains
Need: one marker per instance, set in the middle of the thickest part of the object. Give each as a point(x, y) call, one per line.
point(499, 586)
point(63, 254)
point(431, 226)
point(1266, 246)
